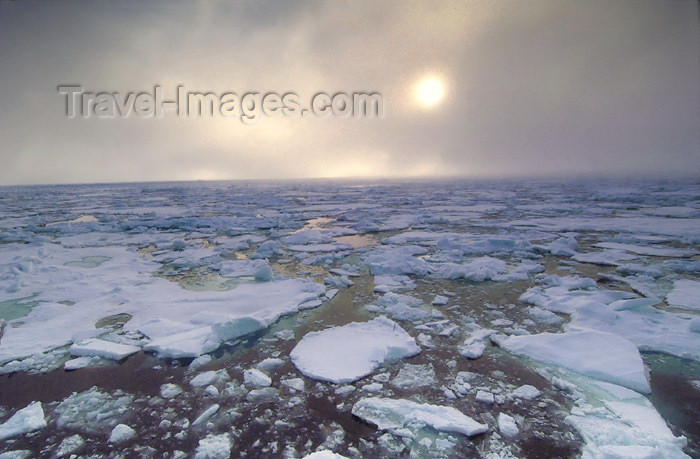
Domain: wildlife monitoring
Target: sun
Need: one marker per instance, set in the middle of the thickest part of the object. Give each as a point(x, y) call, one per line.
point(429, 91)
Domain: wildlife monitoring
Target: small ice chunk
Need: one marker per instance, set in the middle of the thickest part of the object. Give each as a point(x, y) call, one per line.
point(269, 364)
point(256, 378)
point(285, 335)
point(170, 390)
point(485, 397)
point(102, 348)
point(324, 454)
point(296, 384)
point(211, 390)
point(543, 316)
point(208, 413)
point(372, 387)
point(399, 416)
point(526, 392)
point(209, 377)
point(346, 389)
point(27, 419)
point(121, 433)
point(440, 300)
point(69, 445)
point(507, 426)
point(473, 350)
point(345, 354)
point(259, 395)
point(214, 447)
point(80, 362)
point(200, 361)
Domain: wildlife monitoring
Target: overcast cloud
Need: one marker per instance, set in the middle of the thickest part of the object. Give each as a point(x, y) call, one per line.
point(532, 88)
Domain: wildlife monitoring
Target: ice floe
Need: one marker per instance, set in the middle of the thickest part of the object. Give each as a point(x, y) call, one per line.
point(27, 419)
point(598, 354)
point(405, 417)
point(344, 354)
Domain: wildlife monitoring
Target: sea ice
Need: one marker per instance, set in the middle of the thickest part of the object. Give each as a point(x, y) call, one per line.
point(405, 417)
point(344, 354)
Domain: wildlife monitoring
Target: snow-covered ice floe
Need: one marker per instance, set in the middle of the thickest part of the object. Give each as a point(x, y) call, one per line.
point(348, 353)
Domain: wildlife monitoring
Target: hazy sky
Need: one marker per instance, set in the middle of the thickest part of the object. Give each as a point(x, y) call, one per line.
point(529, 88)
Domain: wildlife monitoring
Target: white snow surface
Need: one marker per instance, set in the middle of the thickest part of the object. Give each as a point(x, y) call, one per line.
point(348, 353)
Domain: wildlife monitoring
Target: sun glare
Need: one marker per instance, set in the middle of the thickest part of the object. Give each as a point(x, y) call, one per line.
point(429, 91)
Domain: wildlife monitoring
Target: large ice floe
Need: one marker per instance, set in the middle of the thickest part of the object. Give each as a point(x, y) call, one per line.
point(348, 353)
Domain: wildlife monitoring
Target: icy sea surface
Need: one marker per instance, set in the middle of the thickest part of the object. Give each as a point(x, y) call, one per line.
point(495, 319)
